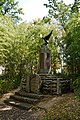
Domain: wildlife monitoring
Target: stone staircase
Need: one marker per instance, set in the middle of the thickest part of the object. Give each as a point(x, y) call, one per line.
point(54, 84)
point(49, 85)
point(23, 99)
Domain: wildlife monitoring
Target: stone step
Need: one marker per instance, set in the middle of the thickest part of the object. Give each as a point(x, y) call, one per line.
point(30, 95)
point(49, 79)
point(45, 88)
point(65, 81)
point(49, 82)
point(23, 83)
point(49, 91)
point(24, 99)
point(18, 104)
point(51, 85)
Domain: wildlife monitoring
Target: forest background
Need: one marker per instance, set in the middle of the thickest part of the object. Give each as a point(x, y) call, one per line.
point(20, 42)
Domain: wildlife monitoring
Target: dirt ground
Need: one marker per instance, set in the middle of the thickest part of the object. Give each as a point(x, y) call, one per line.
point(47, 104)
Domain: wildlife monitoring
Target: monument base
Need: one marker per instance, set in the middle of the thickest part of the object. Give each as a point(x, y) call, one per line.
point(31, 84)
point(44, 60)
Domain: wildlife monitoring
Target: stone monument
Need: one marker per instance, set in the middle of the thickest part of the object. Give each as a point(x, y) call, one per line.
point(44, 56)
point(44, 60)
point(33, 82)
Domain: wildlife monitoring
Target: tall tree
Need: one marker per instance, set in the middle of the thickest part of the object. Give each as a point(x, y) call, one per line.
point(62, 12)
point(19, 45)
point(76, 6)
point(10, 8)
point(72, 45)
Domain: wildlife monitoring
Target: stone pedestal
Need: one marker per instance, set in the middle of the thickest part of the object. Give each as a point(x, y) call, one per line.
point(31, 84)
point(44, 60)
point(35, 83)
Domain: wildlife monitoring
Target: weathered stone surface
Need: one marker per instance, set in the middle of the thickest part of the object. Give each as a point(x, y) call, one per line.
point(35, 83)
point(24, 99)
point(31, 84)
point(25, 84)
point(44, 60)
point(19, 104)
point(30, 95)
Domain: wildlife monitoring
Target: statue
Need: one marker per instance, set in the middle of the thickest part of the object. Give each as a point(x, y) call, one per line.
point(46, 38)
point(45, 57)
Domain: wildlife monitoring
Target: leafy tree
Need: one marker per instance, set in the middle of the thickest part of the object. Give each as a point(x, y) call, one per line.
point(62, 12)
point(72, 42)
point(59, 11)
point(76, 6)
point(20, 44)
point(10, 8)
point(7, 37)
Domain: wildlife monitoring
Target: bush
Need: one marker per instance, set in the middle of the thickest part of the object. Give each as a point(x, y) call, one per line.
point(7, 84)
point(76, 86)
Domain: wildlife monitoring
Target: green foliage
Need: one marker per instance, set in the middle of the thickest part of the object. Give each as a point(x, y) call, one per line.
point(62, 12)
point(10, 8)
point(72, 42)
point(59, 10)
point(19, 48)
point(76, 86)
point(68, 16)
point(20, 44)
point(7, 84)
point(72, 50)
point(75, 7)
point(7, 37)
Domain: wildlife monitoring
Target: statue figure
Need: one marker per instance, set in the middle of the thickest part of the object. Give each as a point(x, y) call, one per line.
point(46, 38)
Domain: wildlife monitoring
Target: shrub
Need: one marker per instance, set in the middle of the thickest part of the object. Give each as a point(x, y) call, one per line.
point(7, 84)
point(76, 86)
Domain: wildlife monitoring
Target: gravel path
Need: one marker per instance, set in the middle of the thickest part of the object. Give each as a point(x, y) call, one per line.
point(18, 114)
point(38, 111)
point(12, 113)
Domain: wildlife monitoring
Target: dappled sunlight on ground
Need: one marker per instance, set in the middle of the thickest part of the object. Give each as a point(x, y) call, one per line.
point(63, 107)
point(5, 108)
